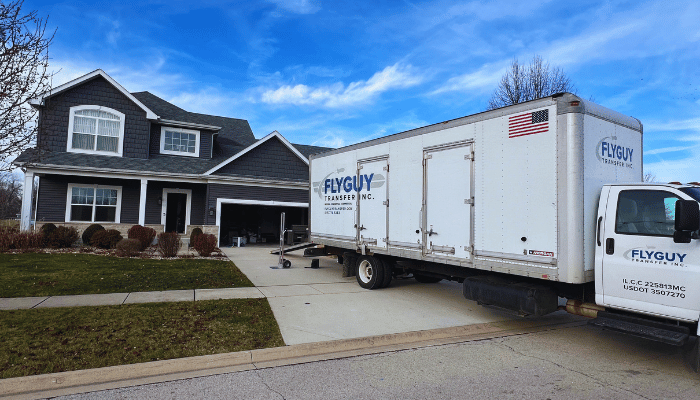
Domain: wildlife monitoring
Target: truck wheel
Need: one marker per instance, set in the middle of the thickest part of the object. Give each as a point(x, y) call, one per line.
point(370, 272)
point(426, 279)
point(349, 265)
point(387, 272)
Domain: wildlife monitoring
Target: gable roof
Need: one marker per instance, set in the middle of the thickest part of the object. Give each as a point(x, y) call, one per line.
point(273, 134)
point(39, 101)
point(236, 133)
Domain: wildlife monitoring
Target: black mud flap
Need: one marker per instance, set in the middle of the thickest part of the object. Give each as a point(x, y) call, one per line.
point(522, 298)
point(691, 353)
point(675, 335)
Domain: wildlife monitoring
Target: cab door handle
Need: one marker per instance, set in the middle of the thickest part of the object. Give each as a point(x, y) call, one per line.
point(610, 246)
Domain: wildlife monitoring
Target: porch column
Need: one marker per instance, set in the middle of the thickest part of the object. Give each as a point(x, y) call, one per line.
point(142, 202)
point(26, 216)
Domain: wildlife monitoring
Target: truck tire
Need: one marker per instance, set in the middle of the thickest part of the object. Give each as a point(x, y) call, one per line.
point(388, 272)
point(370, 272)
point(426, 279)
point(349, 265)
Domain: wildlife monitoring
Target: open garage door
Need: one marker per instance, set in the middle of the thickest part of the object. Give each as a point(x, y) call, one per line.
point(257, 223)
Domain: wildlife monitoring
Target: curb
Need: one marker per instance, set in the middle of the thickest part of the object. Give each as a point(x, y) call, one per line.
point(82, 381)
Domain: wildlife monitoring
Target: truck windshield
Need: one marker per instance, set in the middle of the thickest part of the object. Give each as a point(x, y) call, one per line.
point(692, 192)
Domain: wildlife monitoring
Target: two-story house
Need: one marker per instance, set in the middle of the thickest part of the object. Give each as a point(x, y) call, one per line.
point(105, 155)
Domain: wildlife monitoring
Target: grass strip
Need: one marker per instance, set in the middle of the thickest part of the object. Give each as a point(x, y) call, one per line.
point(41, 341)
point(37, 274)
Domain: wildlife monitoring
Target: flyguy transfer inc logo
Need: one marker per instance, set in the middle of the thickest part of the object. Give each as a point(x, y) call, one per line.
point(614, 154)
point(655, 257)
point(340, 192)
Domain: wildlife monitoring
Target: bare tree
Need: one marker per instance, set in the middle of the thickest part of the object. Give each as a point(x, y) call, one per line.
point(24, 74)
point(523, 83)
point(649, 177)
point(10, 196)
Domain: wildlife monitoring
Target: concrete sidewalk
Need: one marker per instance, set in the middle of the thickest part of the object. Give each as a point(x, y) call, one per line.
point(114, 299)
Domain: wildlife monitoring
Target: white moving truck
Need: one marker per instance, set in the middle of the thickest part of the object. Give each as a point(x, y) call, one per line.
point(524, 205)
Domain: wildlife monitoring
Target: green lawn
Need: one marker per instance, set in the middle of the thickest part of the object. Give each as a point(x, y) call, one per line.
point(41, 341)
point(35, 274)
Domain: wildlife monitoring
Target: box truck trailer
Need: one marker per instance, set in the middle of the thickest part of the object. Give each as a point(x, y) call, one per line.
point(524, 205)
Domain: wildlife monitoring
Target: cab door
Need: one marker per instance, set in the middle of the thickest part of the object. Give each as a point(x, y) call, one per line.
point(642, 268)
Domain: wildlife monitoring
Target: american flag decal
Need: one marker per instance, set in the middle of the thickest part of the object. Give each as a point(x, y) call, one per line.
point(528, 123)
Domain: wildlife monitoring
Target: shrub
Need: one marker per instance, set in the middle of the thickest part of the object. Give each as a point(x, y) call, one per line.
point(143, 234)
point(168, 244)
point(91, 230)
point(26, 241)
point(204, 244)
point(106, 239)
point(6, 237)
point(62, 237)
point(195, 232)
point(128, 247)
point(46, 231)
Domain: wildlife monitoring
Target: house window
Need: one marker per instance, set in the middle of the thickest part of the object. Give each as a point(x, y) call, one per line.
point(95, 130)
point(93, 203)
point(178, 141)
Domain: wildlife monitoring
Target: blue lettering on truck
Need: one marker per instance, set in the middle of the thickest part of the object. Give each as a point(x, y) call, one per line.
point(348, 184)
point(614, 154)
point(611, 150)
point(656, 257)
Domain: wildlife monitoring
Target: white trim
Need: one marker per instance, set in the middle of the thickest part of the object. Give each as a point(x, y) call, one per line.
point(71, 118)
point(189, 125)
point(26, 210)
point(273, 134)
point(221, 201)
point(179, 153)
point(39, 101)
point(142, 202)
point(188, 207)
point(117, 214)
point(163, 176)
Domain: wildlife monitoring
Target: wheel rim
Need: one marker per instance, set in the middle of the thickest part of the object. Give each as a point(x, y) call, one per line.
point(365, 271)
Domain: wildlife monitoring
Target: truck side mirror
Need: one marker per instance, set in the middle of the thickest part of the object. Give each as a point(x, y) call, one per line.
point(687, 220)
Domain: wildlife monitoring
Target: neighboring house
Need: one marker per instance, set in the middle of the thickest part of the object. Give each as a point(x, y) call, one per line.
point(108, 156)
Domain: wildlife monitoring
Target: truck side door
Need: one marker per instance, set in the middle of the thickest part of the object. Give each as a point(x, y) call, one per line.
point(643, 269)
point(372, 189)
point(448, 201)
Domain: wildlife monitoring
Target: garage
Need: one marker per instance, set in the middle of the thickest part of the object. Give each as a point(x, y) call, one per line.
point(259, 223)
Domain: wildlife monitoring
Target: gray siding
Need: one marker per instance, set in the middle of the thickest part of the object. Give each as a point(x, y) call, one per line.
point(53, 119)
point(155, 191)
point(205, 141)
point(217, 191)
point(53, 191)
point(271, 159)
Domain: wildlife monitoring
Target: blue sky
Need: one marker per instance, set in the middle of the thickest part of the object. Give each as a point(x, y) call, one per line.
point(336, 73)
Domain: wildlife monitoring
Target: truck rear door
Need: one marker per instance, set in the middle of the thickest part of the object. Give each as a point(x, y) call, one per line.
point(448, 200)
point(642, 268)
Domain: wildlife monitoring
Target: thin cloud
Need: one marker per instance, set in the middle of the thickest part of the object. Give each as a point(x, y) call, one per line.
point(485, 77)
point(339, 95)
point(298, 6)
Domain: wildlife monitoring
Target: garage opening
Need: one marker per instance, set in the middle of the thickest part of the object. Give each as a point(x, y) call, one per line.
point(257, 223)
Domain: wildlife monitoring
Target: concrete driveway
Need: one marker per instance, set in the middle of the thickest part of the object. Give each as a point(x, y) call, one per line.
point(313, 305)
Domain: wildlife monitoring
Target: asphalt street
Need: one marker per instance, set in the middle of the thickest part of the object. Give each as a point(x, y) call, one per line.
point(578, 362)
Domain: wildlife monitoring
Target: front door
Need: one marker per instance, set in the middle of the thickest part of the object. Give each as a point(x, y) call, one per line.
point(175, 210)
point(371, 186)
point(643, 269)
point(448, 201)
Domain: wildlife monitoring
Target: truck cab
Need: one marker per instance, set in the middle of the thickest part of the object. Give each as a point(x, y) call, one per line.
point(647, 257)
